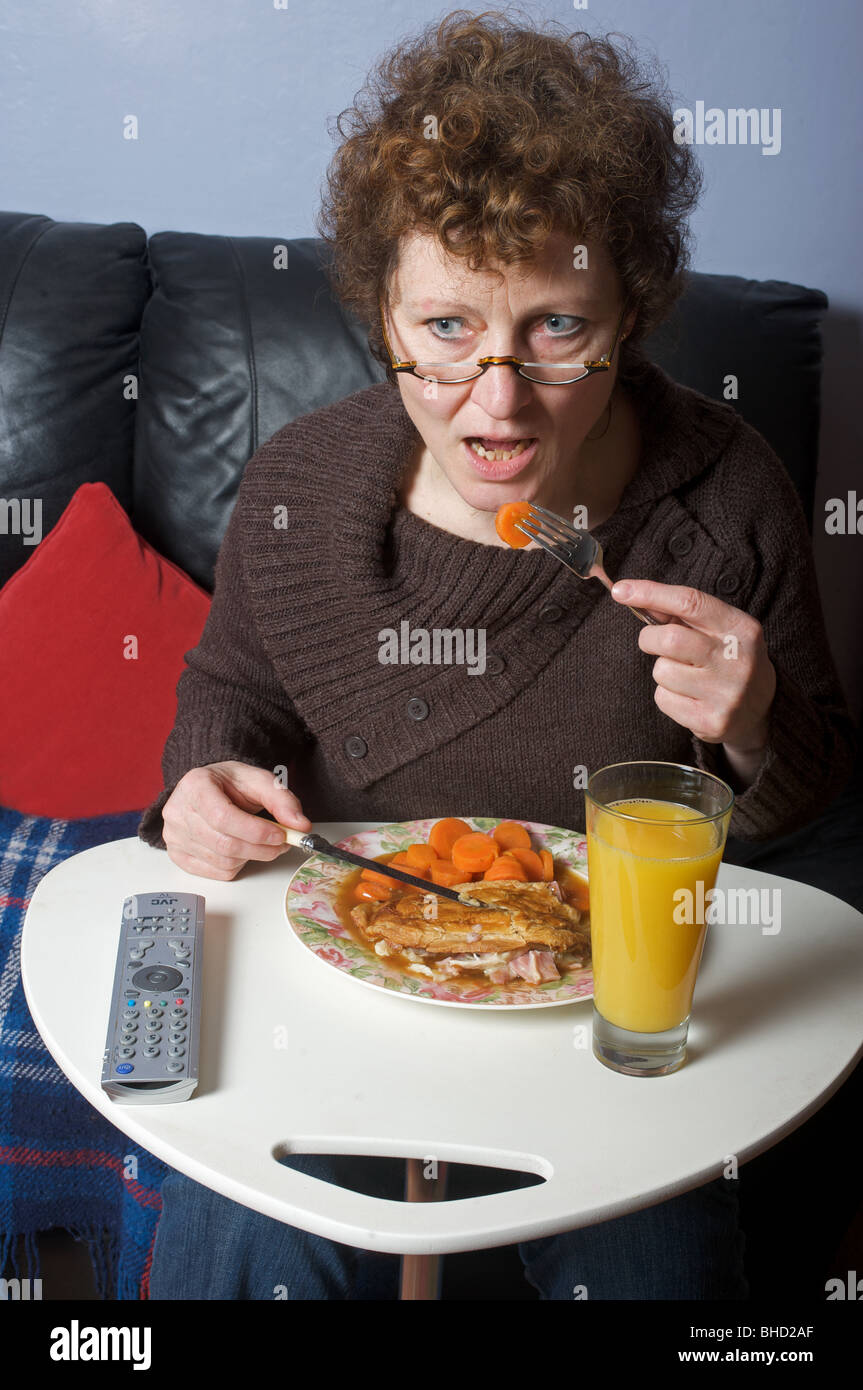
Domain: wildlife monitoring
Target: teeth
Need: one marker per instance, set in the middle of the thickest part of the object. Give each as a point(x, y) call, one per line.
point(499, 455)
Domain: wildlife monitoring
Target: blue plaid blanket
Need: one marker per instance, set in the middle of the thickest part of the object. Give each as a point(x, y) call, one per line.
point(61, 1163)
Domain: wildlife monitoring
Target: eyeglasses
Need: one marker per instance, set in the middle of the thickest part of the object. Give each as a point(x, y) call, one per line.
point(548, 373)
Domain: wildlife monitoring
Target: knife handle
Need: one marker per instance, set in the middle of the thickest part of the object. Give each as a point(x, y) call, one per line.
point(293, 837)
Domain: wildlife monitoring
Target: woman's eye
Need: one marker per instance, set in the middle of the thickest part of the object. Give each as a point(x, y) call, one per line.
point(447, 321)
point(563, 324)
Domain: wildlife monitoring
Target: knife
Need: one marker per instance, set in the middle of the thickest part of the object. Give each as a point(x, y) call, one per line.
point(316, 844)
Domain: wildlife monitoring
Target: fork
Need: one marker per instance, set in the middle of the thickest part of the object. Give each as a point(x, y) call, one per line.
point(578, 550)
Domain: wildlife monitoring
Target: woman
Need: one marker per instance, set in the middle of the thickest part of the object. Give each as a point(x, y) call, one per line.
point(527, 202)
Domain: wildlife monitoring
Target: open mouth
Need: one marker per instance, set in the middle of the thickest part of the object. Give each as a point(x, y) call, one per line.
point(500, 458)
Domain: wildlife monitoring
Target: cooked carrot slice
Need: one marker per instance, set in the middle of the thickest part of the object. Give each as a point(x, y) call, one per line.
point(577, 891)
point(506, 867)
point(504, 523)
point(445, 873)
point(368, 892)
point(529, 861)
point(474, 852)
point(510, 834)
point(379, 875)
point(401, 861)
point(422, 856)
point(444, 835)
point(547, 865)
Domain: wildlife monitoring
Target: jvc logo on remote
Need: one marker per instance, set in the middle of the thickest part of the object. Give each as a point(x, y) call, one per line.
point(130, 907)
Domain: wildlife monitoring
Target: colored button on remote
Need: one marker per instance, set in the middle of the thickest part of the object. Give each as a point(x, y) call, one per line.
point(124, 1068)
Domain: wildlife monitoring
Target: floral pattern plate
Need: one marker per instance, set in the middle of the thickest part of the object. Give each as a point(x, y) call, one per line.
point(310, 908)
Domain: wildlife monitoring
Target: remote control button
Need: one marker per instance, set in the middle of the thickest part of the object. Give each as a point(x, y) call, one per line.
point(173, 1066)
point(178, 1023)
point(176, 1037)
point(130, 1013)
point(176, 1051)
point(136, 955)
point(154, 1012)
point(153, 1025)
point(169, 926)
point(130, 1026)
point(151, 1051)
point(126, 1052)
point(184, 926)
point(124, 1068)
point(157, 977)
point(164, 1003)
point(179, 1013)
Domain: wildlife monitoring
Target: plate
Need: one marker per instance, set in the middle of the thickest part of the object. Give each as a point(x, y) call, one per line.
point(310, 908)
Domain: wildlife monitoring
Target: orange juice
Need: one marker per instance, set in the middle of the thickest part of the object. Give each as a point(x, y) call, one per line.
point(644, 961)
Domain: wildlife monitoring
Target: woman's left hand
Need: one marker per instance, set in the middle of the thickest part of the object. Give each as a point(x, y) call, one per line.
point(713, 676)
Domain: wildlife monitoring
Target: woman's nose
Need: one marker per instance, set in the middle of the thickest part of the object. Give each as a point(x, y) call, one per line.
point(501, 390)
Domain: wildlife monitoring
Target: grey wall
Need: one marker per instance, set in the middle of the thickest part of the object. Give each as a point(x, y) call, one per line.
point(233, 99)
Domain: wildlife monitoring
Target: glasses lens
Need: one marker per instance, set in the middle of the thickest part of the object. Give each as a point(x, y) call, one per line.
point(553, 373)
point(447, 371)
point(548, 372)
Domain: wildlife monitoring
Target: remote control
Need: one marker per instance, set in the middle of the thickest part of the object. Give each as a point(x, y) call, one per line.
point(151, 1051)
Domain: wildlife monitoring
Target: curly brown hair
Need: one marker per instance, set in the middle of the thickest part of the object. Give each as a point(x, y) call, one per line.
point(535, 132)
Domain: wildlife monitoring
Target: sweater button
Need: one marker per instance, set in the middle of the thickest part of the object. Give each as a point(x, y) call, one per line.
point(681, 543)
point(494, 664)
point(728, 582)
point(417, 708)
point(356, 747)
point(550, 613)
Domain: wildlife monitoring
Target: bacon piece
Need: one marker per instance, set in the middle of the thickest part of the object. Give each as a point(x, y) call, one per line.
point(535, 967)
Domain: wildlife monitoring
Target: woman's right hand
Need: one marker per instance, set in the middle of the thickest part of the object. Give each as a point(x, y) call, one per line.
point(210, 828)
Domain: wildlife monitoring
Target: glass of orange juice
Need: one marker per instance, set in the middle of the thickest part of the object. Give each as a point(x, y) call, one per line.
point(654, 832)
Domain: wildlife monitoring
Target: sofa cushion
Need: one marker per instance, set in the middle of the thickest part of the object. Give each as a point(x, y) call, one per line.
point(93, 633)
point(71, 299)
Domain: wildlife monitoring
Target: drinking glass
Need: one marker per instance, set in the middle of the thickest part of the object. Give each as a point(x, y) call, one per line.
point(656, 834)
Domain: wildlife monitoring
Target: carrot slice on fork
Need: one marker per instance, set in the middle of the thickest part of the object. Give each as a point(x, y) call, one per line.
point(504, 523)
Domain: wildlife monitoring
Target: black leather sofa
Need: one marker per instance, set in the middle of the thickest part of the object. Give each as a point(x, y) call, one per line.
point(158, 365)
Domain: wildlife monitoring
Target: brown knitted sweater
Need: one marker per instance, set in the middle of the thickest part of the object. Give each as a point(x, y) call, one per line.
point(287, 671)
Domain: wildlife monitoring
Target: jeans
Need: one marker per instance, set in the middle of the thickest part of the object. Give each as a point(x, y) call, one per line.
point(209, 1247)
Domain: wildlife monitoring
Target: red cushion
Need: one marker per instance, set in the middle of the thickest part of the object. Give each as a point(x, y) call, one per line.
point(82, 724)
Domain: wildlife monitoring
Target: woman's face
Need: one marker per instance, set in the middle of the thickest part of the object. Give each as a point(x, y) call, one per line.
point(440, 310)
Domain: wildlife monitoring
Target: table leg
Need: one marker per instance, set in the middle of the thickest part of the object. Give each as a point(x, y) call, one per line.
point(421, 1274)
